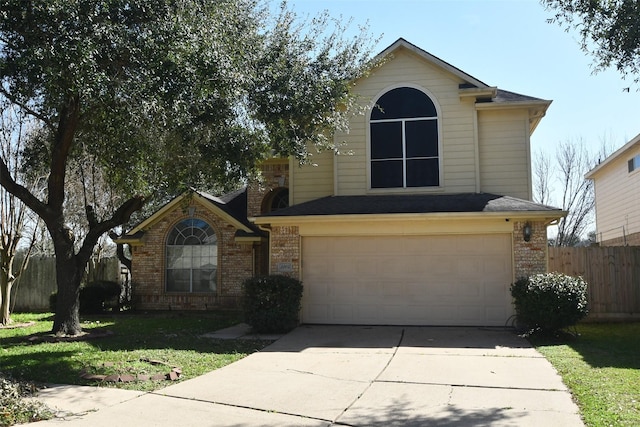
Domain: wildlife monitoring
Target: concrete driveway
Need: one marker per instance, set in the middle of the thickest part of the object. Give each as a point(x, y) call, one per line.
point(359, 376)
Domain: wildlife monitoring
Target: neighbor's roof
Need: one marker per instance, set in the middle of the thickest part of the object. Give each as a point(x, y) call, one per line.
point(415, 204)
point(622, 150)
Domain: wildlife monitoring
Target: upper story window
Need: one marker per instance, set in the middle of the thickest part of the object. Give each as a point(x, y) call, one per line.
point(192, 257)
point(404, 140)
point(634, 163)
point(276, 199)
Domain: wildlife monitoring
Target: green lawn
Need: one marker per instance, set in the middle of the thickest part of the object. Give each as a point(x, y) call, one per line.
point(601, 367)
point(135, 340)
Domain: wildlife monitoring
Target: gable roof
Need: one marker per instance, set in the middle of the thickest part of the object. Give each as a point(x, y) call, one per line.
point(231, 207)
point(465, 203)
point(402, 43)
point(635, 142)
point(487, 97)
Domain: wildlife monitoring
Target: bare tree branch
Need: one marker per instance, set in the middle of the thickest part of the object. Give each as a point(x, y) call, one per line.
point(541, 178)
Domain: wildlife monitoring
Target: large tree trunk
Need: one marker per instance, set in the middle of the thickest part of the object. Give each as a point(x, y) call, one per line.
point(6, 283)
point(67, 316)
point(69, 273)
point(70, 266)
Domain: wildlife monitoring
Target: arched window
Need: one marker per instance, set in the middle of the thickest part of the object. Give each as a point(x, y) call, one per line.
point(192, 257)
point(276, 199)
point(404, 140)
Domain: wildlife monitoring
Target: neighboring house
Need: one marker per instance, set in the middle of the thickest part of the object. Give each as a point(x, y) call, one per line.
point(427, 221)
point(616, 182)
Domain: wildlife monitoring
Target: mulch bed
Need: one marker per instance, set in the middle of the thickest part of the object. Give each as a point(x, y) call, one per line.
point(17, 325)
point(172, 375)
point(82, 336)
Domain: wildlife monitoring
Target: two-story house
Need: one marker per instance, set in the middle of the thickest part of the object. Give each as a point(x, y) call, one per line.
point(426, 221)
point(616, 182)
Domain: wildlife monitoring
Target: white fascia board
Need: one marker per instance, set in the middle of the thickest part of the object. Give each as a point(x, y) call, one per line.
point(285, 220)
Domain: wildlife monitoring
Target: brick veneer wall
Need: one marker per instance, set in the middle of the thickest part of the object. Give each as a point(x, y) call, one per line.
point(274, 174)
point(235, 264)
point(530, 257)
point(285, 249)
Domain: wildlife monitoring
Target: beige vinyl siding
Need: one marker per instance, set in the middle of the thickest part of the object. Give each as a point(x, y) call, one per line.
point(456, 125)
point(312, 181)
point(618, 198)
point(504, 152)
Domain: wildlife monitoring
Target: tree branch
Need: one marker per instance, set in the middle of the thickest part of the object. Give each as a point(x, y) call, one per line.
point(120, 250)
point(62, 144)
point(119, 217)
point(7, 181)
point(28, 110)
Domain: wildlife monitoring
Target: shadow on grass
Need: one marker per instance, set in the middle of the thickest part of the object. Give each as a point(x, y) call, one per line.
point(601, 345)
point(135, 331)
point(50, 366)
point(122, 344)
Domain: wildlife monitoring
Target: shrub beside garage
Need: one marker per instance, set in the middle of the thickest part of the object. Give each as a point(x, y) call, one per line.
point(550, 302)
point(272, 303)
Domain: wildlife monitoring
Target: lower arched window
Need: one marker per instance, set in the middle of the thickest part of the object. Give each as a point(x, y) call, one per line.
point(192, 257)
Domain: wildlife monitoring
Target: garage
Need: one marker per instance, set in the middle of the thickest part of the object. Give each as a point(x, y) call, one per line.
point(407, 280)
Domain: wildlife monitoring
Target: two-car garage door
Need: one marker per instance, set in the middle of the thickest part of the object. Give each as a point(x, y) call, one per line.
point(407, 280)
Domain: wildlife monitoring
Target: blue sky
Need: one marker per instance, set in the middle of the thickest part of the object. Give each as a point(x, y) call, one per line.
point(508, 44)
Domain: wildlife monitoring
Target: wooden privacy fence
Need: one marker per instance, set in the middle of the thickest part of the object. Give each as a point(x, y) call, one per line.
point(612, 275)
point(33, 288)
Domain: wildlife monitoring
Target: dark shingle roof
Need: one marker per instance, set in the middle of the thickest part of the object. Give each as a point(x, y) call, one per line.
point(234, 204)
point(506, 96)
point(426, 203)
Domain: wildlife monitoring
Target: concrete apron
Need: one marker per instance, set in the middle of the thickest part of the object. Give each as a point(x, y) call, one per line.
point(365, 376)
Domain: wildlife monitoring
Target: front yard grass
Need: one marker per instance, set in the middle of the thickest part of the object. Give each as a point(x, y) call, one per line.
point(601, 367)
point(130, 345)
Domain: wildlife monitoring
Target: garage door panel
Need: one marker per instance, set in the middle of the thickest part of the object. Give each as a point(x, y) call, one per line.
point(494, 293)
point(444, 280)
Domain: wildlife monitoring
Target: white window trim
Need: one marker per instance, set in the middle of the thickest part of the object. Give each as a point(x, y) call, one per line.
point(438, 118)
point(166, 268)
point(636, 163)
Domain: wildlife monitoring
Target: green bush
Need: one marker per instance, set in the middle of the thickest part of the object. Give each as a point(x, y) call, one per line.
point(272, 303)
point(550, 302)
point(93, 296)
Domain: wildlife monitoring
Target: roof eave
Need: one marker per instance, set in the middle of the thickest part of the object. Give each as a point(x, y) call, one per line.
point(537, 109)
point(619, 152)
point(476, 92)
point(277, 220)
point(543, 103)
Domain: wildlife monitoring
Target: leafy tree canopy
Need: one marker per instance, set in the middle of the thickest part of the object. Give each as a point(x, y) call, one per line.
point(177, 92)
point(609, 31)
point(161, 95)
